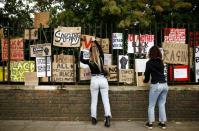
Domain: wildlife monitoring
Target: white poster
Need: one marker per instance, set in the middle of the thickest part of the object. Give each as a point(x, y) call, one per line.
point(107, 59)
point(175, 35)
point(140, 65)
point(117, 40)
point(197, 63)
point(180, 73)
point(42, 70)
point(123, 62)
point(140, 43)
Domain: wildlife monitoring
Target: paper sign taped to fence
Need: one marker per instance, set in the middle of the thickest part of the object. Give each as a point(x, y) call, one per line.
point(126, 76)
point(175, 53)
point(3, 73)
point(64, 72)
point(85, 73)
point(31, 79)
point(67, 36)
point(18, 69)
point(43, 66)
point(117, 40)
point(123, 62)
point(31, 34)
point(197, 64)
point(16, 49)
point(41, 18)
point(105, 45)
point(40, 50)
point(1, 33)
point(174, 35)
point(107, 59)
point(140, 44)
point(140, 65)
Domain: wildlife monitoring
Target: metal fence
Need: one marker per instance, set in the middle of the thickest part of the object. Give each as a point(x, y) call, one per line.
point(45, 35)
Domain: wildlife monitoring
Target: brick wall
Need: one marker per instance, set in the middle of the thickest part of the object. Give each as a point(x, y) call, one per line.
point(127, 103)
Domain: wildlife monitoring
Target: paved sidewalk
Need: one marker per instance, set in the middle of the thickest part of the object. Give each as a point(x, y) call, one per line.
point(19, 125)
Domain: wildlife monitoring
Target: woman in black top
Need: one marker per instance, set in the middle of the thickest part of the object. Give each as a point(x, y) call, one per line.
point(158, 88)
point(98, 82)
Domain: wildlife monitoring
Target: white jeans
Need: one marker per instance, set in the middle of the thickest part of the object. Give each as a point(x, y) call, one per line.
point(99, 83)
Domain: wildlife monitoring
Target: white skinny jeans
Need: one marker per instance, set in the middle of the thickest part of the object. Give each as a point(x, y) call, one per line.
point(99, 83)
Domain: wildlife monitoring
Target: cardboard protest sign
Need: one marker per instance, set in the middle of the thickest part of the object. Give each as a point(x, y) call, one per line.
point(140, 43)
point(105, 45)
point(31, 34)
point(67, 36)
point(1, 33)
point(117, 41)
point(85, 73)
point(43, 66)
point(175, 35)
point(40, 50)
point(126, 76)
point(64, 58)
point(18, 69)
point(112, 72)
point(31, 79)
point(87, 40)
point(123, 62)
point(64, 72)
point(3, 73)
point(41, 18)
point(16, 49)
point(175, 53)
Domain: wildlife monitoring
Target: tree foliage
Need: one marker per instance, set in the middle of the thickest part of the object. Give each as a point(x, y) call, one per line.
point(123, 13)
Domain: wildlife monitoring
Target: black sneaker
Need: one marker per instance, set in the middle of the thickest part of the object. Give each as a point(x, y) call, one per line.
point(149, 126)
point(162, 125)
point(93, 120)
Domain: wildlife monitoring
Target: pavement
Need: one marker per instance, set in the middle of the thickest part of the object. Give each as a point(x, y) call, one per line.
point(28, 125)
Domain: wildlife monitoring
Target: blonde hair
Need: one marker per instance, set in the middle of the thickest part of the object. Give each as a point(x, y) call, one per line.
point(94, 56)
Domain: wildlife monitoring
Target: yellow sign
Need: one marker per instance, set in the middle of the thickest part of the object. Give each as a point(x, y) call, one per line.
point(5, 73)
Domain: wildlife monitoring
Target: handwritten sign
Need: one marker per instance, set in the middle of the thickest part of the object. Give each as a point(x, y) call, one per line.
point(140, 43)
point(31, 34)
point(40, 50)
point(67, 36)
point(31, 79)
point(85, 73)
point(123, 62)
point(140, 79)
point(117, 40)
point(105, 45)
point(3, 73)
point(64, 72)
point(18, 69)
point(43, 66)
point(41, 18)
point(16, 49)
point(112, 72)
point(174, 35)
point(175, 53)
point(126, 76)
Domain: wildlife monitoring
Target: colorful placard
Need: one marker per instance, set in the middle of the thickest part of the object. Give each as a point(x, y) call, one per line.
point(175, 35)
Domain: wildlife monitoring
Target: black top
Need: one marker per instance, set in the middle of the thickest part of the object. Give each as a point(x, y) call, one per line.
point(93, 66)
point(155, 68)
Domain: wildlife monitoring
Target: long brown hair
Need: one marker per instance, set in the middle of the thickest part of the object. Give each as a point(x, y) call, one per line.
point(155, 52)
point(94, 55)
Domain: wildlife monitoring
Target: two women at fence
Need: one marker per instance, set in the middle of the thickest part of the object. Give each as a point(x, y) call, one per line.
point(158, 87)
point(98, 82)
